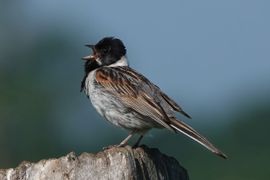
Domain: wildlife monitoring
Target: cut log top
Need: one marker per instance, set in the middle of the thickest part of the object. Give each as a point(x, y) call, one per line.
point(112, 164)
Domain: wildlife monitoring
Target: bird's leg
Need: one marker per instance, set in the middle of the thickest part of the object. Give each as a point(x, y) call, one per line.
point(138, 142)
point(124, 142)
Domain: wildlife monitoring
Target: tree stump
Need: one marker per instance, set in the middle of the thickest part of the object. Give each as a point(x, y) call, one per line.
point(112, 164)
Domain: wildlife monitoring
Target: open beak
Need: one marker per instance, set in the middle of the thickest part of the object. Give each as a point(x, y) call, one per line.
point(90, 46)
point(92, 56)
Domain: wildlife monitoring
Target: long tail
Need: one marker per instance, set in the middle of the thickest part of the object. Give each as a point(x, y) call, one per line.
point(181, 127)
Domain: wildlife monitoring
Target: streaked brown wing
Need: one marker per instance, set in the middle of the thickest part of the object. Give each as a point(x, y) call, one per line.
point(134, 90)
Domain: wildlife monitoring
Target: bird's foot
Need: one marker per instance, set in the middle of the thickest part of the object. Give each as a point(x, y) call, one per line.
point(113, 146)
point(135, 146)
point(121, 145)
point(109, 147)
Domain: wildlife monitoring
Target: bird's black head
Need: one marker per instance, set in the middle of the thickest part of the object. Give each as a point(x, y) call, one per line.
point(107, 51)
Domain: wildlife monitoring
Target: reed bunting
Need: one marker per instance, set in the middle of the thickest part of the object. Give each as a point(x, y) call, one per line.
point(128, 99)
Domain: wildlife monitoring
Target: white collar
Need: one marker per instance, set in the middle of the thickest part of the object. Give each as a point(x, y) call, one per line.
point(121, 62)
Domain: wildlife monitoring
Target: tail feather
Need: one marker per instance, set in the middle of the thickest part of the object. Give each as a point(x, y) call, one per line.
point(181, 127)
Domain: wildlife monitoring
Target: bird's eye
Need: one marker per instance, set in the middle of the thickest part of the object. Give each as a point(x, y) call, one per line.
point(105, 50)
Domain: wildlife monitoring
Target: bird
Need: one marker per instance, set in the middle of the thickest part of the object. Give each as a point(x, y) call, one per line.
point(127, 99)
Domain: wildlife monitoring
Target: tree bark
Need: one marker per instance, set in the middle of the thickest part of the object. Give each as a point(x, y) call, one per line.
point(113, 164)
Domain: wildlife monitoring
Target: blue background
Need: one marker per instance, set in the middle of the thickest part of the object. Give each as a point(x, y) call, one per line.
point(213, 57)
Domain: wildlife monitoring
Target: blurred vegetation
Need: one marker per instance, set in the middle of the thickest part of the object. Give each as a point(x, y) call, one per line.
point(245, 142)
point(42, 113)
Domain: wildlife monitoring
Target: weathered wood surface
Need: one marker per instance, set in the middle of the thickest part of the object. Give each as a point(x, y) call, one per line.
point(113, 164)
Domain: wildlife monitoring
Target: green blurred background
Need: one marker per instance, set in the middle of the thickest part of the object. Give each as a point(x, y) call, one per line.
point(217, 52)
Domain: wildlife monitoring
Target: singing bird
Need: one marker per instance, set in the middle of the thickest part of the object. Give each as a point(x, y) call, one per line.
point(128, 99)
